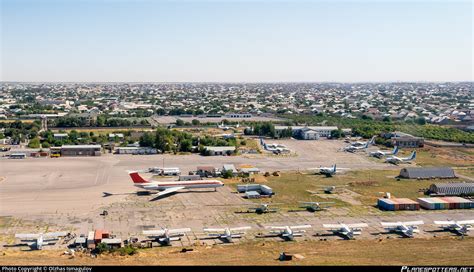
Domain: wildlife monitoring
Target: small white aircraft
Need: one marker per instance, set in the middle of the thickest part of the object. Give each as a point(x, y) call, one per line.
point(222, 126)
point(288, 232)
point(460, 227)
point(168, 187)
point(328, 171)
point(38, 240)
point(226, 234)
point(226, 127)
point(314, 206)
point(165, 236)
point(379, 153)
point(346, 230)
point(355, 148)
point(407, 229)
point(327, 189)
point(263, 208)
point(397, 160)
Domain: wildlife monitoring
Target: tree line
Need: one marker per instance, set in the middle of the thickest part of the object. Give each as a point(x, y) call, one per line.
point(176, 141)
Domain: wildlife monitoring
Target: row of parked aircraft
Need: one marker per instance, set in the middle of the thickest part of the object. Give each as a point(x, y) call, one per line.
point(348, 231)
point(359, 146)
point(165, 236)
point(390, 156)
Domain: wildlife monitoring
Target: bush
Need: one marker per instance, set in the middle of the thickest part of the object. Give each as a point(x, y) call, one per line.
point(45, 145)
point(227, 174)
point(34, 143)
point(179, 123)
point(101, 248)
point(127, 250)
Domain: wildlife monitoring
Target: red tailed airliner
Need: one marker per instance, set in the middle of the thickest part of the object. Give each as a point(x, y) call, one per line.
point(168, 187)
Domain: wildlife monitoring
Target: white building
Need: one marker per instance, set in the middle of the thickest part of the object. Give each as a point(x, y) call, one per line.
point(220, 150)
point(308, 132)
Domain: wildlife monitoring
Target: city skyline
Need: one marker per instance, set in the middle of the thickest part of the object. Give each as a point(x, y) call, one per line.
point(242, 41)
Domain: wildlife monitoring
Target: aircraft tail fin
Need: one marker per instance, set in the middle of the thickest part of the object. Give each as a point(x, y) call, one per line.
point(136, 177)
point(395, 150)
point(413, 155)
point(372, 141)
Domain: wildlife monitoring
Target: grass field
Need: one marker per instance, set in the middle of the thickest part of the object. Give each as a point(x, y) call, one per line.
point(292, 187)
point(466, 171)
point(441, 251)
point(436, 156)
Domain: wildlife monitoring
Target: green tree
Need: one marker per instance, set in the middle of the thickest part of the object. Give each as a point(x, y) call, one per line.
point(147, 140)
point(421, 121)
point(336, 134)
point(227, 174)
point(179, 122)
point(34, 143)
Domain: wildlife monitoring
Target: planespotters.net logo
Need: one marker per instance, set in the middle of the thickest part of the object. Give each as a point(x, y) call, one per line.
point(437, 269)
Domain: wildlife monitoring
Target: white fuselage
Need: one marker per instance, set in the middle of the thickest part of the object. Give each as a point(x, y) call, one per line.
point(327, 170)
point(407, 231)
point(39, 243)
point(347, 231)
point(191, 184)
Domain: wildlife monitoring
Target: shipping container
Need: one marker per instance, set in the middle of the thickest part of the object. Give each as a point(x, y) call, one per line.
point(444, 203)
point(458, 202)
point(396, 204)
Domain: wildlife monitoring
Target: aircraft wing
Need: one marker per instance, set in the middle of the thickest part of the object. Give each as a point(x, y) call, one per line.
point(444, 222)
point(175, 231)
point(332, 226)
point(413, 223)
point(213, 230)
point(169, 191)
point(462, 222)
point(301, 227)
point(27, 236)
point(390, 224)
point(240, 228)
point(54, 234)
point(153, 232)
point(357, 225)
point(308, 203)
point(315, 203)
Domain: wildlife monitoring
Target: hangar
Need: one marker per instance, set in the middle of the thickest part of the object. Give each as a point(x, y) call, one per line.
point(80, 150)
point(452, 189)
point(427, 172)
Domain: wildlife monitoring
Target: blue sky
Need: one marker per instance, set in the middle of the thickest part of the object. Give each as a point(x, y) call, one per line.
point(245, 41)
